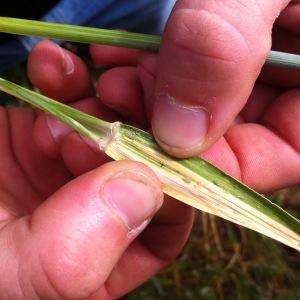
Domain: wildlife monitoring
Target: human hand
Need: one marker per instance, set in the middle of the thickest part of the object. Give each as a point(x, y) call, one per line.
point(210, 56)
point(73, 226)
point(262, 146)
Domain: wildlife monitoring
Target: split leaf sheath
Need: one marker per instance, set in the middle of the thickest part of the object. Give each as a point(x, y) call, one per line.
point(192, 181)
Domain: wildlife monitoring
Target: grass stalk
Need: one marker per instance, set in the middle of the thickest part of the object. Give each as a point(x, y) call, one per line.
point(216, 235)
point(207, 246)
point(81, 34)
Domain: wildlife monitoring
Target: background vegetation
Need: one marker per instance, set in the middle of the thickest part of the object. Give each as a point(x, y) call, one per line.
point(221, 261)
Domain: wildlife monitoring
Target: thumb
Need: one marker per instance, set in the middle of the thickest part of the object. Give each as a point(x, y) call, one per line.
point(210, 56)
point(72, 242)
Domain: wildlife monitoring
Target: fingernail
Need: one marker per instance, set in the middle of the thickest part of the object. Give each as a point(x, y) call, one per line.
point(91, 143)
point(57, 128)
point(95, 147)
point(67, 62)
point(118, 108)
point(133, 196)
point(179, 127)
point(69, 65)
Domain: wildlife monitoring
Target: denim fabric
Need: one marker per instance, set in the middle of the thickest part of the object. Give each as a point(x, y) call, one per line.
point(145, 16)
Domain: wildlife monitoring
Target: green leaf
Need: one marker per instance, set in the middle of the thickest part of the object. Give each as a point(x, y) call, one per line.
point(79, 34)
point(192, 181)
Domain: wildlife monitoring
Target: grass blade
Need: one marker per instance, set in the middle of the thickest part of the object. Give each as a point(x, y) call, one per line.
point(89, 35)
point(192, 181)
point(87, 125)
point(79, 34)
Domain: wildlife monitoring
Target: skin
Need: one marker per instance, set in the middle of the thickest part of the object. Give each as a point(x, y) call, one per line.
point(70, 228)
point(210, 57)
point(58, 226)
point(261, 145)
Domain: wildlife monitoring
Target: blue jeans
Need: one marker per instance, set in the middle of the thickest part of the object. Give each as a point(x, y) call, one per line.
point(145, 16)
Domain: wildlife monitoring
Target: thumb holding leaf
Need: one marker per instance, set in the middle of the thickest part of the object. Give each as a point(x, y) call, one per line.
point(72, 242)
point(210, 56)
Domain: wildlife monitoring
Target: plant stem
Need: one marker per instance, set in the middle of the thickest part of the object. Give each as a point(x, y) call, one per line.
point(80, 34)
point(283, 60)
point(89, 35)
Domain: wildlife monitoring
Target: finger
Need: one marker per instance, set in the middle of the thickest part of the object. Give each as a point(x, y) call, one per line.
point(121, 90)
point(270, 149)
point(259, 100)
point(290, 17)
point(222, 156)
point(157, 246)
point(109, 56)
point(10, 169)
point(283, 115)
point(55, 71)
point(82, 155)
point(49, 132)
point(70, 245)
point(209, 58)
point(267, 163)
point(57, 140)
point(27, 176)
point(5, 215)
point(147, 68)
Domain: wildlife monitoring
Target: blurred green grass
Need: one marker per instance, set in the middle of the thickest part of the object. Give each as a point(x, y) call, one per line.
point(221, 260)
point(232, 263)
point(242, 265)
